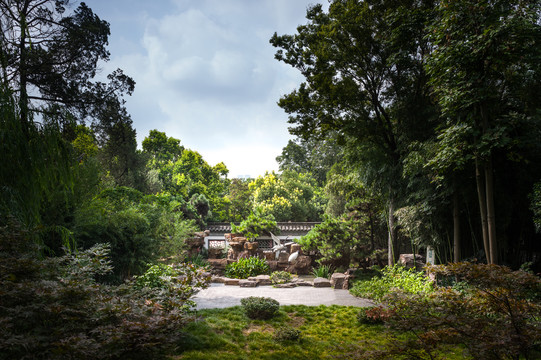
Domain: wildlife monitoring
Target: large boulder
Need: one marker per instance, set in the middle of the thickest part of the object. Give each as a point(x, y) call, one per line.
point(411, 261)
point(340, 281)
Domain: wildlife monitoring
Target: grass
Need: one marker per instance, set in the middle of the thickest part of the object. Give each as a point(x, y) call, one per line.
point(327, 332)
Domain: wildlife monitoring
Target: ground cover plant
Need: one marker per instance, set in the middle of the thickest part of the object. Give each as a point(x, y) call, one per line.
point(392, 278)
point(243, 268)
point(296, 332)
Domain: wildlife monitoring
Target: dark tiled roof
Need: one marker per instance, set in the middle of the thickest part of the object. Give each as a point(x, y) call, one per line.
point(283, 226)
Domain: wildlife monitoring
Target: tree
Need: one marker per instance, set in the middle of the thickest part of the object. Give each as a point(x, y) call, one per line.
point(289, 196)
point(239, 199)
point(312, 156)
point(485, 71)
point(49, 56)
point(363, 66)
point(161, 147)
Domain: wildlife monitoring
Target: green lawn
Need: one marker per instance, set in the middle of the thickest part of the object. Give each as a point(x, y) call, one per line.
point(327, 332)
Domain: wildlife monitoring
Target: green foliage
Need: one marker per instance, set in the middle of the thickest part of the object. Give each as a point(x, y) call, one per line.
point(290, 196)
point(394, 278)
point(324, 271)
point(54, 308)
point(256, 224)
point(287, 334)
point(156, 276)
point(246, 267)
point(198, 259)
point(280, 277)
point(139, 228)
point(495, 315)
point(535, 205)
point(340, 241)
point(315, 157)
point(260, 307)
point(239, 200)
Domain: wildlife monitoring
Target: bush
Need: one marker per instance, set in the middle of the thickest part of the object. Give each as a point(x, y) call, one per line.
point(55, 309)
point(280, 277)
point(393, 278)
point(246, 267)
point(287, 333)
point(495, 314)
point(373, 315)
point(324, 271)
point(260, 307)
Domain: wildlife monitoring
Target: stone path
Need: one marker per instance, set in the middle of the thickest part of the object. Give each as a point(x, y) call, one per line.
point(222, 296)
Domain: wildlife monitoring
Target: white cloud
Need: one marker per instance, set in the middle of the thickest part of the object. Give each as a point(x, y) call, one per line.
point(206, 74)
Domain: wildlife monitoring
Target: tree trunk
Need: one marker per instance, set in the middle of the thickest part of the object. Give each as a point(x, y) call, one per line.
point(456, 227)
point(481, 194)
point(23, 94)
point(391, 242)
point(491, 217)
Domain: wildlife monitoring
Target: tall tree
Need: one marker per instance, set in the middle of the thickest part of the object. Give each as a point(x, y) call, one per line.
point(363, 66)
point(49, 56)
point(485, 73)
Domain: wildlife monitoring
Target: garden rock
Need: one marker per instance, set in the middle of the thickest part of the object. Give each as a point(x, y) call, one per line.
point(321, 282)
point(301, 282)
point(285, 286)
point(218, 265)
point(247, 283)
point(409, 261)
point(301, 266)
point(295, 247)
point(229, 281)
point(261, 279)
point(340, 281)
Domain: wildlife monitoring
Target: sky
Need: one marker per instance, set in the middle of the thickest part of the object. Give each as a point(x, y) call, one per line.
point(205, 73)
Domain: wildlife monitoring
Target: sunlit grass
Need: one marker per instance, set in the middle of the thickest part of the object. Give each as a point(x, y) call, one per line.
point(327, 332)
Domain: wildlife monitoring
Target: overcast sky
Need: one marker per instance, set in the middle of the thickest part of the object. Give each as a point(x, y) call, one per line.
point(206, 73)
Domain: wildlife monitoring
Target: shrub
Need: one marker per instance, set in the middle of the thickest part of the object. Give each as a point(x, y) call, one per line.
point(260, 307)
point(54, 308)
point(495, 315)
point(393, 278)
point(198, 259)
point(280, 277)
point(287, 333)
point(155, 276)
point(246, 267)
point(373, 315)
point(324, 271)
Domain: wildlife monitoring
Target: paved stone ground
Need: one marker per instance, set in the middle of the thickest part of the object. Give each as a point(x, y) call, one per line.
point(222, 296)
